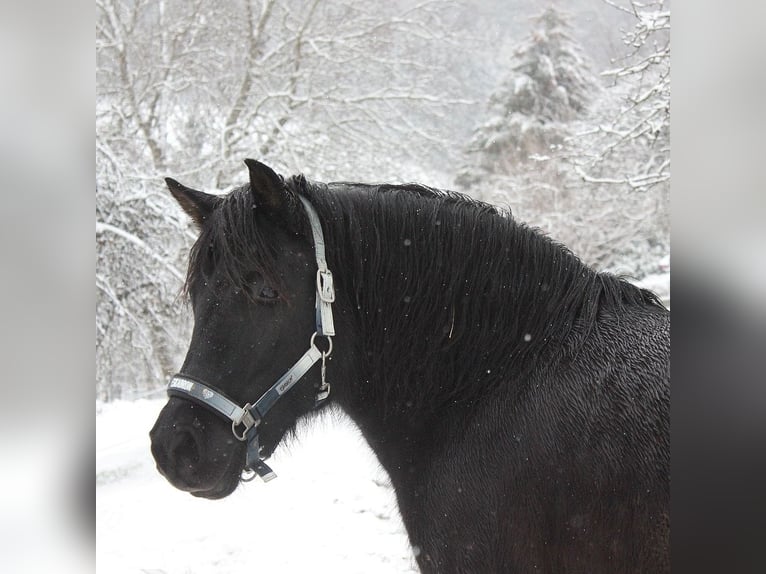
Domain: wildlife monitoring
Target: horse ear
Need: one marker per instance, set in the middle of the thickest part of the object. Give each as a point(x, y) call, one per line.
point(272, 195)
point(197, 204)
point(268, 188)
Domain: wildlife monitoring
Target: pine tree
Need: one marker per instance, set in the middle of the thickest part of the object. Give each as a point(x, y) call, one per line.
point(548, 85)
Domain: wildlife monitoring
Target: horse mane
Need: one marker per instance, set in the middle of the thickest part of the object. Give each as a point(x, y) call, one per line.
point(453, 296)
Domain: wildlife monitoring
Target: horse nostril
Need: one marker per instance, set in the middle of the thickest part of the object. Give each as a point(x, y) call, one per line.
point(185, 451)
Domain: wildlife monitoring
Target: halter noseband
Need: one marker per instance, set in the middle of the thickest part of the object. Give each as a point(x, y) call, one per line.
point(245, 419)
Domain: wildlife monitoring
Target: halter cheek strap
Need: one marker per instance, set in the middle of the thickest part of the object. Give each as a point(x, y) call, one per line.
point(245, 419)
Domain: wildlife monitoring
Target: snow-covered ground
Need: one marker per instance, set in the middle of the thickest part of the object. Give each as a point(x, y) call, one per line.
point(331, 508)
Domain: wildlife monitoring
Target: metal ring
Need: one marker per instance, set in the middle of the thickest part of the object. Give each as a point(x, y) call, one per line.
point(244, 478)
point(242, 438)
point(329, 341)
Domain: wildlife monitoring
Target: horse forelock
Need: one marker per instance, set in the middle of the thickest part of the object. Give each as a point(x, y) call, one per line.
point(232, 241)
point(453, 296)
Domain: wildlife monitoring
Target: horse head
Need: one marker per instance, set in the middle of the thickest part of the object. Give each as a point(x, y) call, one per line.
point(252, 284)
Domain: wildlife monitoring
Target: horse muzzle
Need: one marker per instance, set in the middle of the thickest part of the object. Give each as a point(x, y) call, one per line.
point(183, 454)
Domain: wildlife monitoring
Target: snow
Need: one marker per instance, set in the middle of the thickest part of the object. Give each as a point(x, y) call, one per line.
point(331, 509)
point(659, 283)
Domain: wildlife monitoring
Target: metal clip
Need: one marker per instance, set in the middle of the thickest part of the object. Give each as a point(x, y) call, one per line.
point(325, 286)
point(322, 394)
point(324, 390)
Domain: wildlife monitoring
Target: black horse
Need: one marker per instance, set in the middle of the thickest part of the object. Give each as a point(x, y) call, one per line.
point(518, 400)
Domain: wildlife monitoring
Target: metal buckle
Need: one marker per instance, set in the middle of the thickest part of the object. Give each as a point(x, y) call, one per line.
point(247, 420)
point(325, 286)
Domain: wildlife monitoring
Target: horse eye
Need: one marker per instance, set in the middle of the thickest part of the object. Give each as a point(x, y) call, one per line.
point(258, 290)
point(268, 293)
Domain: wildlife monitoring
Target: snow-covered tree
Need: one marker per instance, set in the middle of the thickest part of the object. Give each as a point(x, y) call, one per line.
point(331, 86)
point(627, 143)
point(141, 326)
point(548, 84)
point(547, 88)
point(623, 150)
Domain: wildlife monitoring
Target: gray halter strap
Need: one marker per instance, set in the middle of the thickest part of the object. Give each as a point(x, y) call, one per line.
point(245, 419)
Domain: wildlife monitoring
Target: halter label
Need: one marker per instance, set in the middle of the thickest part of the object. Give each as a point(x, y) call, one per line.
point(285, 385)
point(183, 384)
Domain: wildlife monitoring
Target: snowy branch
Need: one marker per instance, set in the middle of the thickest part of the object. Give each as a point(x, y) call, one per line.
point(102, 228)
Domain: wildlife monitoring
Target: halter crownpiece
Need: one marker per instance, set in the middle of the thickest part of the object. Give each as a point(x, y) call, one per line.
point(245, 419)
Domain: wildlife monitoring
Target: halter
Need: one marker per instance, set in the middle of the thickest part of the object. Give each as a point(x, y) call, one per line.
point(245, 419)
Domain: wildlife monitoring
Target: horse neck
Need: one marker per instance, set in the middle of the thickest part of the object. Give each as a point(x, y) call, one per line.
point(446, 305)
